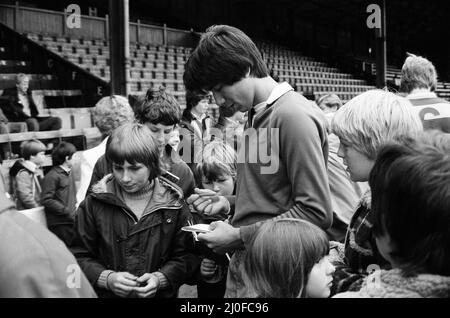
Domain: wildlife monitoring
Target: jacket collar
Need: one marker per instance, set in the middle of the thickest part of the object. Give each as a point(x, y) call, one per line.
point(30, 166)
point(165, 194)
point(64, 169)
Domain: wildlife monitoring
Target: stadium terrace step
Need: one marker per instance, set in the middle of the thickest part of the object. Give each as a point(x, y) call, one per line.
point(77, 136)
point(36, 77)
point(13, 66)
point(3, 52)
point(164, 65)
point(59, 92)
point(303, 73)
point(8, 163)
point(58, 98)
point(40, 83)
point(326, 81)
point(91, 132)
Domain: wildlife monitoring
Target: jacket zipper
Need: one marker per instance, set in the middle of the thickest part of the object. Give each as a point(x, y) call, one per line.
point(135, 220)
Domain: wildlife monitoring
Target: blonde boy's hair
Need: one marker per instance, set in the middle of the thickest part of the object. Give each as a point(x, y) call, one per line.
point(217, 159)
point(373, 119)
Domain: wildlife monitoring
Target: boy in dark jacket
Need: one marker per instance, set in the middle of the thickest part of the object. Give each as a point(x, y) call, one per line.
point(128, 238)
point(59, 194)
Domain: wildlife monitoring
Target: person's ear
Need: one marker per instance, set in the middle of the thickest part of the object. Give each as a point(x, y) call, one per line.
point(248, 73)
point(386, 247)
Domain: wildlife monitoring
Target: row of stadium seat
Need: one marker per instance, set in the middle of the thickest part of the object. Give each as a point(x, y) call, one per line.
point(334, 88)
point(319, 80)
point(163, 65)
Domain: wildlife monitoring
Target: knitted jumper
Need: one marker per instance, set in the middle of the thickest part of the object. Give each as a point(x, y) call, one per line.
point(137, 201)
point(392, 284)
point(360, 251)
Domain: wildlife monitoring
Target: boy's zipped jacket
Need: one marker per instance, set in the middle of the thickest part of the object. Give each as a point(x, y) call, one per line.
point(25, 185)
point(109, 236)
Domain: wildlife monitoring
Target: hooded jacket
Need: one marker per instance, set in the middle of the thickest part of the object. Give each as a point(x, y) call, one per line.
point(26, 184)
point(109, 236)
point(34, 262)
point(392, 284)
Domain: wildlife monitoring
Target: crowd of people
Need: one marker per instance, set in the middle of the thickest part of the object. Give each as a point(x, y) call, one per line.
point(299, 198)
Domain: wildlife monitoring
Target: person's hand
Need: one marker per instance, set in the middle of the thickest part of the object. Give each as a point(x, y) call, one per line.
point(208, 267)
point(222, 238)
point(208, 202)
point(150, 285)
point(122, 283)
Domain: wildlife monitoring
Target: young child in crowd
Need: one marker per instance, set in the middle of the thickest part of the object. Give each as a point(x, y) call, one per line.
point(26, 175)
point(288, 258)
point(128, 237)
point(363, 125)
point(174, 139)
point(345, 194)
point(196, 124)
point(411, 219)
point(59, 193)
point(216, 172)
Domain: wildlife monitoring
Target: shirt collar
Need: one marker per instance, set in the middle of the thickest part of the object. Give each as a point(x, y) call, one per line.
point(231, 121)
point(65, 169)
point(197, 117)
point(279, 91)
point(276, 93)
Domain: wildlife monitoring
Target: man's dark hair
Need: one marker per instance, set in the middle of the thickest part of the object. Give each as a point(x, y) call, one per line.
point(159, 108)
point(223, 56)
point(225, 112)
point(61, 151)
point(410, 185)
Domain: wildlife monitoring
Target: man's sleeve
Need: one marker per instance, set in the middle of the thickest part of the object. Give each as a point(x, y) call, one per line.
point(85, 243)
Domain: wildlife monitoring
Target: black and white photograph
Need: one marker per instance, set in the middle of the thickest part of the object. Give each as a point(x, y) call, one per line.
point(225, 153)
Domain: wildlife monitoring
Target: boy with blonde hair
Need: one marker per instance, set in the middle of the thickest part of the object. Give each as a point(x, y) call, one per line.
point(364, 125)
point(411, 207)
point(215, 171)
